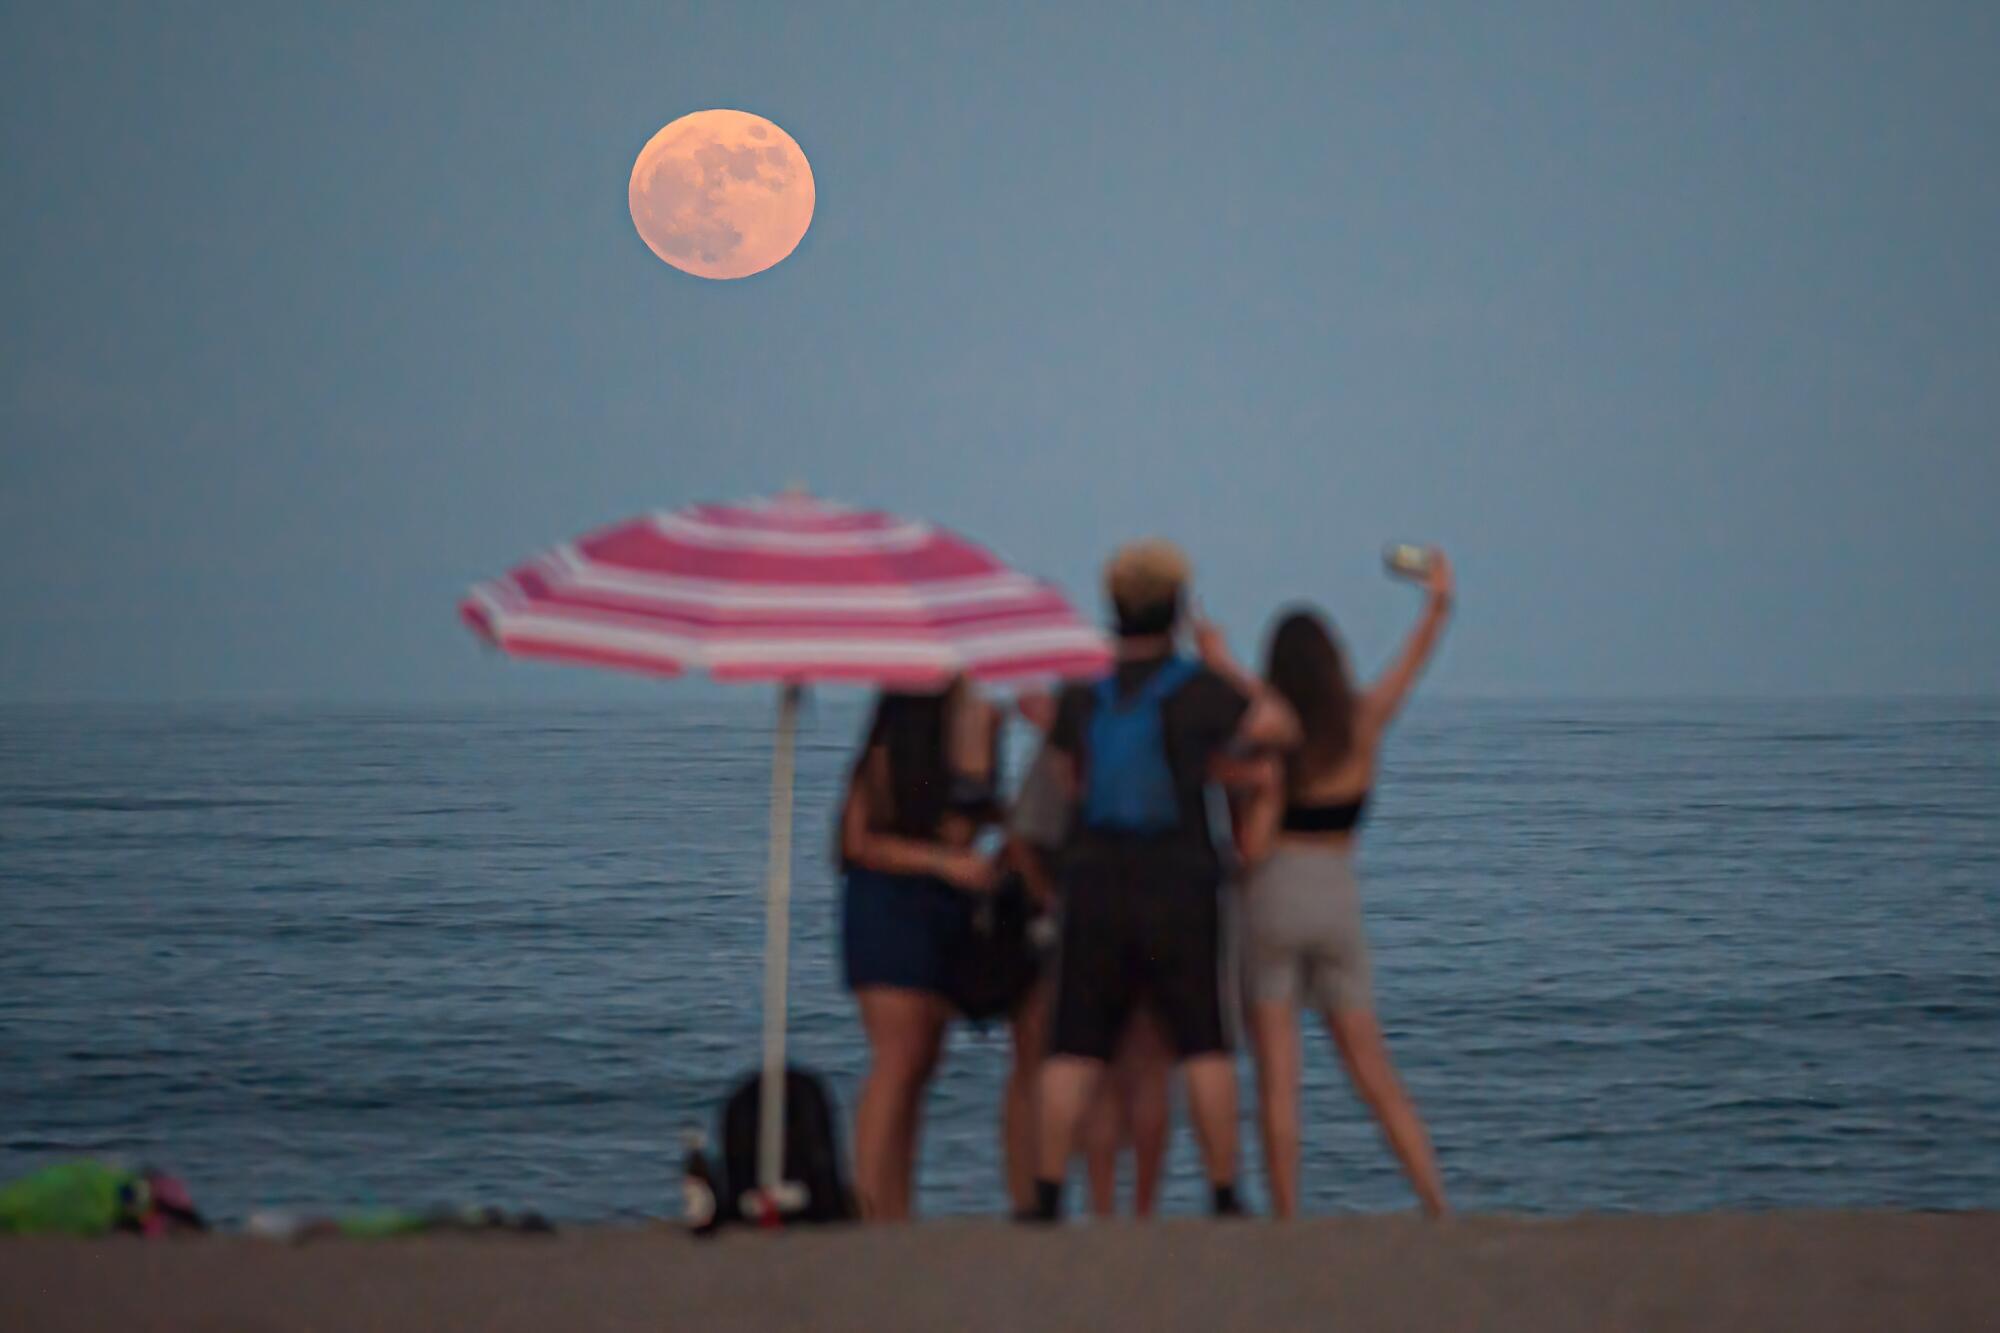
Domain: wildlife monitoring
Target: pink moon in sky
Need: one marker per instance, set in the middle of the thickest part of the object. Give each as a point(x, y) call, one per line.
point(722, 194)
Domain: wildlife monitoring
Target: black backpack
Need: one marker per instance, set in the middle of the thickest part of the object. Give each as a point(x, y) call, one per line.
point(812, 1148)
point(994, 963)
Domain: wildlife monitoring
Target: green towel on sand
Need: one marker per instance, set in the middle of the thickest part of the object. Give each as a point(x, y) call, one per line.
point(381, 1222)
point(70, 1199)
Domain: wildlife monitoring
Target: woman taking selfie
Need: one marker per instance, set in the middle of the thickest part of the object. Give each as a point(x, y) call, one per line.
point(1303, 938)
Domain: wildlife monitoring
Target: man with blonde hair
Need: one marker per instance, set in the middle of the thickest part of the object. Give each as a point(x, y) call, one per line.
point(1141, 919)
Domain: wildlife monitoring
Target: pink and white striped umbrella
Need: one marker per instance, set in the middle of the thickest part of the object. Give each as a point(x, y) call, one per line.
point(791, 589)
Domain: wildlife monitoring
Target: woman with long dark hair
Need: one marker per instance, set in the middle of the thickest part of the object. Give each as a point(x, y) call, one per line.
point(920, 792)
point(1302, 934)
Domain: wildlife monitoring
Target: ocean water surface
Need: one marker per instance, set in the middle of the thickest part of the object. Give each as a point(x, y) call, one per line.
point(1633, 956)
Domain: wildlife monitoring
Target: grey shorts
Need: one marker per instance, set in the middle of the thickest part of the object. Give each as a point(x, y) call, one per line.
point(1302, 936)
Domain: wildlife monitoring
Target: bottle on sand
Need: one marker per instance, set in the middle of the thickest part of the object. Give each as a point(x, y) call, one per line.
point(698, 1198)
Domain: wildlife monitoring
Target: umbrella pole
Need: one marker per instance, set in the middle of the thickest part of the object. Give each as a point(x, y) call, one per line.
point(777, 955)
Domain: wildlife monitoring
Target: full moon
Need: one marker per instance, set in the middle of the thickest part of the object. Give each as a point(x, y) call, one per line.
point(722, 194)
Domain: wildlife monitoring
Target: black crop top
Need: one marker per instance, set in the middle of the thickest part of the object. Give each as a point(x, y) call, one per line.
point(1338, 818)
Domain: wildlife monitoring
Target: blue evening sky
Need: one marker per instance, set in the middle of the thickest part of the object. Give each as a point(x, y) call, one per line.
point(1679, 324)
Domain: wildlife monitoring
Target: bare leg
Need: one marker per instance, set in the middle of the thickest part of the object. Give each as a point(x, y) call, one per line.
point(1211, 1093)
point(1017, 1114)
point(903, 1186)
point(1359, 1039)
point(1147, 1075)
point(1068, 1082)
point(1104, 1132)
point(1274, 1040)
point(1131, 1108)
point(905, 1032)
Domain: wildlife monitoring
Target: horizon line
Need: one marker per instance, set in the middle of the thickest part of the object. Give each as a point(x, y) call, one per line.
point(708, 690)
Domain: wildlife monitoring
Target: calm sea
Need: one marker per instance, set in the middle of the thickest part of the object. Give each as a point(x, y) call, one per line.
point(1631, 956)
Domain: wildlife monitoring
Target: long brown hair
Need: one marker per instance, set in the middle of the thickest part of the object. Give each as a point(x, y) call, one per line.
point(1305, 664)
point(910, 729)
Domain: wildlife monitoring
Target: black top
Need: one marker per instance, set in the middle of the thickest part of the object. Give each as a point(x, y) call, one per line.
point(1338, 817)
point(1200, 718)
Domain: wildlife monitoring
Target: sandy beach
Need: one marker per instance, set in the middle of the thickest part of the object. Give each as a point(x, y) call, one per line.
point(1767, 1271)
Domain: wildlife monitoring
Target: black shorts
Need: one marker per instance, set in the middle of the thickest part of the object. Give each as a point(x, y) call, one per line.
point(1139, 929)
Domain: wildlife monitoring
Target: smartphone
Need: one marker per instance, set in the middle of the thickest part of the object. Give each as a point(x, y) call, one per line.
point(1407, 560)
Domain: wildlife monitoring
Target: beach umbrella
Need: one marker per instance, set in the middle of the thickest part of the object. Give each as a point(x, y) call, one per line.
point(790, 591)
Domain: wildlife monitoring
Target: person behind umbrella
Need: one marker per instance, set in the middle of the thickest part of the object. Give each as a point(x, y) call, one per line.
point(920, 791)
point(1133, 1106)
point(1141, 912)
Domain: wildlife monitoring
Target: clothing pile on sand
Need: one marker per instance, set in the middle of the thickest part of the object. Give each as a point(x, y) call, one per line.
point(92, 1198)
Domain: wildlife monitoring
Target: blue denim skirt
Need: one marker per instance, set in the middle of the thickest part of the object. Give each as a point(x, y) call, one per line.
point(905, 931)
